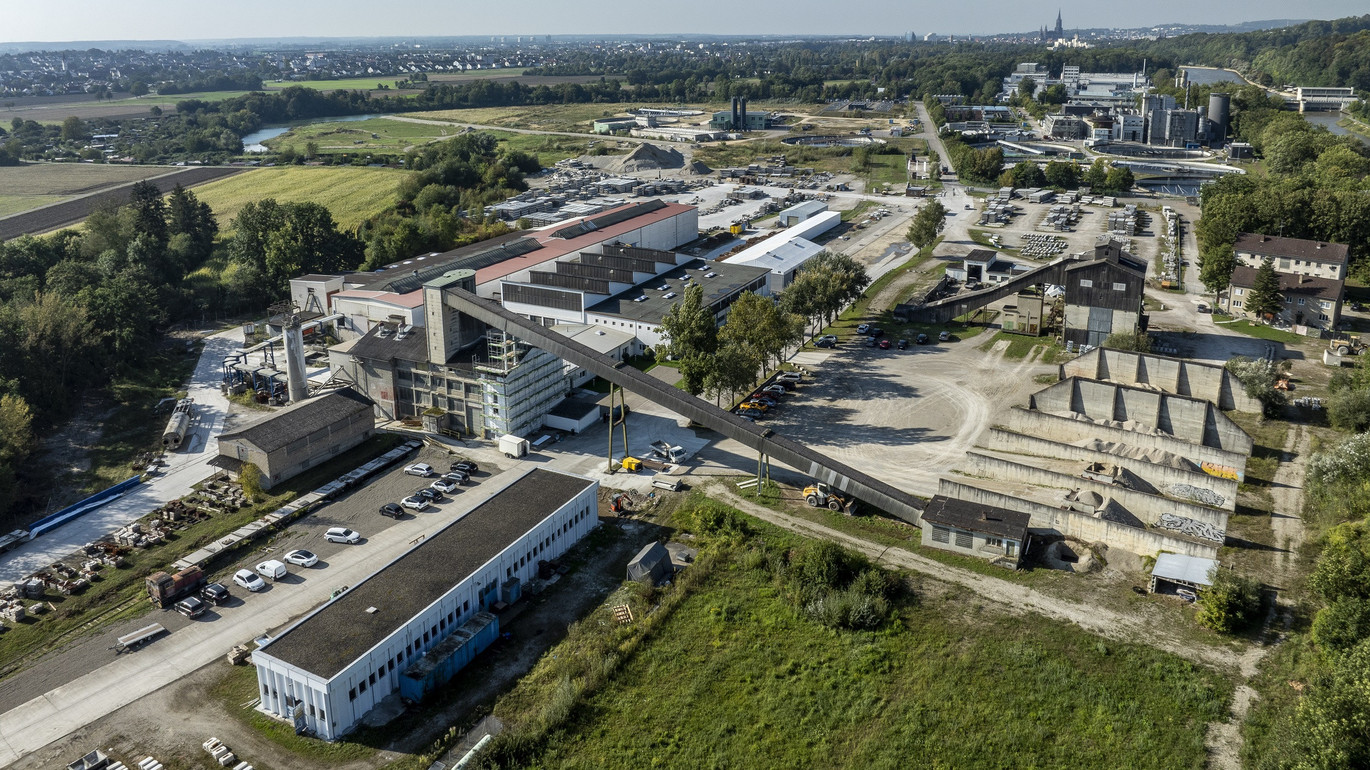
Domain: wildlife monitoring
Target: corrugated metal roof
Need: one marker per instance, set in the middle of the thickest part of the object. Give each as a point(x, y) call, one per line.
point(1189, 569)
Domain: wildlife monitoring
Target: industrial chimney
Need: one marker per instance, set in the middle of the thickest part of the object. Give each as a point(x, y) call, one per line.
point(733, 124)
point(742, 119)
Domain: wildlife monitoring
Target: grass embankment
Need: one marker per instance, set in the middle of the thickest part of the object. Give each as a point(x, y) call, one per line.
point(727, 670)
point(352, 194)
point(1043, 349)
point(375, 135)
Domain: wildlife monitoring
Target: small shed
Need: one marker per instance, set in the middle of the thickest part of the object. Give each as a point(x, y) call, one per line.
point(651, 565)
point(572, 416)
point(1175, 572)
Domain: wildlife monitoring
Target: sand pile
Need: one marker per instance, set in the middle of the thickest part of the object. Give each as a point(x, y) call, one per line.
point(647, 157)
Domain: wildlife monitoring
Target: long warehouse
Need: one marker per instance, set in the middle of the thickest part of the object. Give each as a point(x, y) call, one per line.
point(335, 664)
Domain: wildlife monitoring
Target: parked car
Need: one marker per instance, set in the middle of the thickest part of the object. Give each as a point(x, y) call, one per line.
point(444, 485)
point(215, 593)
point(341, 535)
point(863, 329)
point(876, 331)
point(465, 466)
point(272, 569)
point(392, 510)
point(826, 341)
point(768, 399)
point(745, 411)
point(414, 502)
point(792, 377)
point(302, 558)
point(903, 344)
point(778, 389)
point(419, 469)
point(429, 494)
point(870, 342)
point(191, 607)
point(458, 477)
point(757, 405)
point(247, 579)
point(944, 336)
point(884, 345)
point(921, 339)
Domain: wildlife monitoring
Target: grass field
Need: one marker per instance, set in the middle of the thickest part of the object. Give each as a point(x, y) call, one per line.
point(351, 193)
point(571, 117)
point(17, 204)
point(67, 179)
point(364, 136)
point(734, 675)
point(1260, 331)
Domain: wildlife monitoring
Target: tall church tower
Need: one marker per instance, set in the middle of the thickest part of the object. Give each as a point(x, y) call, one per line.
point(1060, 33)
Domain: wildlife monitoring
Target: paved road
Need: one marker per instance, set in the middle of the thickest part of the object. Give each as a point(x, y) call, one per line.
point(184, 468)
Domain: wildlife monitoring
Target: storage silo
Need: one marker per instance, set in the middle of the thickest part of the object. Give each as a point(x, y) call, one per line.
point(1219, 109)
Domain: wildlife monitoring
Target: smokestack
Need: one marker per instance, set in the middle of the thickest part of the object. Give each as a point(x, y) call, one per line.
point(742, 122)
point(733, 125)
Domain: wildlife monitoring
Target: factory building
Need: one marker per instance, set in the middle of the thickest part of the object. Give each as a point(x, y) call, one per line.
point(639, 310)
point(799, 212)
point(286, 443)
point(1103, 296)
point(785, 253)
point(415, 621)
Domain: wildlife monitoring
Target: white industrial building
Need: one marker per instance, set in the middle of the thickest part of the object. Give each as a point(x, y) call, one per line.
point(800, 212)
point(327, 670)
point(785, 253)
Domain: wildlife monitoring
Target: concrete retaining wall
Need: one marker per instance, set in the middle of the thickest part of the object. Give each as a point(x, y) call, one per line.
point(1215, 461)
point(1174, 482)
point(1147, 508)
point(1173, 375)
point(1057, 521)
point(1192, 419)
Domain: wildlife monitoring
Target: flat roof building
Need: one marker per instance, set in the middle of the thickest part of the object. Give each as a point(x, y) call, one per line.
point(330, 668)
point(301, 435)
point(640, 309)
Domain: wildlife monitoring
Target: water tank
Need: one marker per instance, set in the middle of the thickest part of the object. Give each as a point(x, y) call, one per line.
point(1219, 114)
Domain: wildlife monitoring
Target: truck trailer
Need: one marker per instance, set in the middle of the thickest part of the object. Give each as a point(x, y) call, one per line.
point(164, 589)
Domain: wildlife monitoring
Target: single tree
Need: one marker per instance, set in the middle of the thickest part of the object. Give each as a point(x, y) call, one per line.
point(1264, 299)
point(1230, 603)
point(1215, 268)
point(927, 223)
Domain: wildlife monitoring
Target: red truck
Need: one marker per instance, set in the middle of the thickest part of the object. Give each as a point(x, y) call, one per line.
point(164, 589)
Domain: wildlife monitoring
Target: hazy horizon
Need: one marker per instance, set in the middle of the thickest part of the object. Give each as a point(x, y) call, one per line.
point(65, 21)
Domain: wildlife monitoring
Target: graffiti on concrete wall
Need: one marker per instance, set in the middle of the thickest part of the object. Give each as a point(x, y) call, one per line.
point(1198, 494)
point(1187, 526)
point(1221, 471)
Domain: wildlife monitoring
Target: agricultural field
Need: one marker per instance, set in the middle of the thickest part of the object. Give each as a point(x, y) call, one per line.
point(737, 675)
point(54, 112)
point(376, 135)
point(38, 184)
point(351, 193)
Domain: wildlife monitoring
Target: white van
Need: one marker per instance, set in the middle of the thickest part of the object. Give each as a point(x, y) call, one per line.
point(272, 570)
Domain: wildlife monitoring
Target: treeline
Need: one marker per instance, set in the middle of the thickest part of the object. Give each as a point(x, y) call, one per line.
point(79, 308)
point(1317, 53)
point(216, 81)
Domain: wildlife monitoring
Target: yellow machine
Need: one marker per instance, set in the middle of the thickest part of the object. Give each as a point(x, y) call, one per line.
point(632, 464)
point(1347, 345)
point(820, 495)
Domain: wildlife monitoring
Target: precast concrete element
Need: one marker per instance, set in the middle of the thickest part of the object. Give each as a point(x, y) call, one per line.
point(1172, 481)
point(1145, 507)
point(1172, 375)
point(1189, 419)
point(1080, 430)
point(803, 459)
point(1048, 520)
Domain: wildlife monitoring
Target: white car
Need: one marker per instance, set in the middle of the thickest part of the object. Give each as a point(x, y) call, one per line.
point(302, 558)
point(444, 485)
point(419, 469)
point(246, 579)
point(415, 503)
point(341, 535)
point(272, 569)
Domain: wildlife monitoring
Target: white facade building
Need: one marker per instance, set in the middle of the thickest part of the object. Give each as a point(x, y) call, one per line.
point(334, 665)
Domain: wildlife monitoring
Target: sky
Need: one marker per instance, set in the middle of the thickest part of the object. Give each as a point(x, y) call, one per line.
point(74, 20)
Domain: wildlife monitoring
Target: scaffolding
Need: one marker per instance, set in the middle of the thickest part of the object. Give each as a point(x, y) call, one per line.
point(519, 384)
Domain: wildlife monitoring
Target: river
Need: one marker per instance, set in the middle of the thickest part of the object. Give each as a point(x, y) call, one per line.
point(253, 142)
